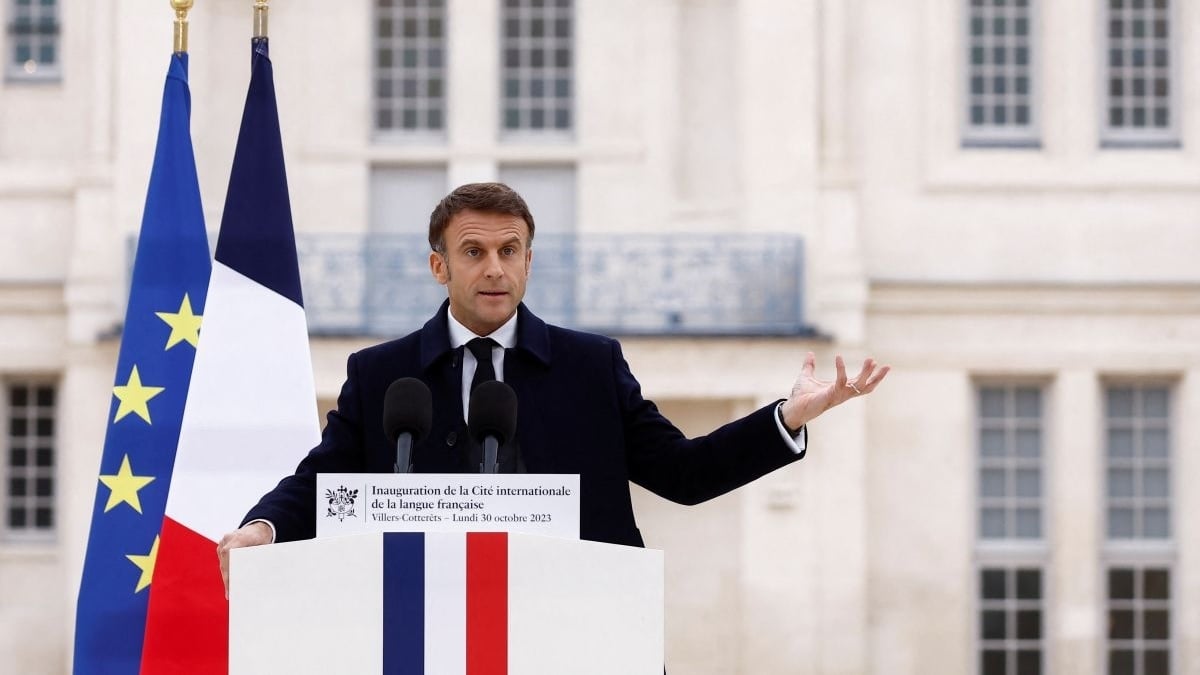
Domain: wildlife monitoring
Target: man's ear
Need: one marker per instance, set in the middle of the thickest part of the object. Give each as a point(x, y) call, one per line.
point(528, 261)
point(439, 267)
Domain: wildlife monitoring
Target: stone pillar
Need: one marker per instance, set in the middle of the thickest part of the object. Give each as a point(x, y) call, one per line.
point(1075, 601)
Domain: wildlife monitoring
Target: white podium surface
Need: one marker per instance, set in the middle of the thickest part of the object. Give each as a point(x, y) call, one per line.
point(446, 604)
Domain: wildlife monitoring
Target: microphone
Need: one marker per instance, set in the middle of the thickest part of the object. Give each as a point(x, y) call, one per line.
point(407, 417)
point(492, 419)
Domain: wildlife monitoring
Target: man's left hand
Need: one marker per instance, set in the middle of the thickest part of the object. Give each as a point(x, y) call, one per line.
point(811, 397)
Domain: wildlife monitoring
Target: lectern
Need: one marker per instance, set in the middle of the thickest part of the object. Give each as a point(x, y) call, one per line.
point(403, 603)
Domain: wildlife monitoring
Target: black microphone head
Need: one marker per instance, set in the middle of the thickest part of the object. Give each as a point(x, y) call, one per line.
point(493, 411)
point(407, 406)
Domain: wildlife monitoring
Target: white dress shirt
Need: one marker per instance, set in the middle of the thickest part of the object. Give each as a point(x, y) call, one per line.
point(505, 337)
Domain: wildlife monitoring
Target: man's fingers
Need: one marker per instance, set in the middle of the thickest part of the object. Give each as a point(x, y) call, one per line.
point(223, 558)
point(868, 367)
point(878, 377)
point(810, 365)
point(840, 380)
point(236, 539)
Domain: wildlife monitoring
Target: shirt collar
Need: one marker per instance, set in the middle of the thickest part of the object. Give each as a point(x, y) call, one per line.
point(505, 335)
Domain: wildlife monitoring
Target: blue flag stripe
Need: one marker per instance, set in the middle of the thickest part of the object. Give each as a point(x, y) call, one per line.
point(172, 261)
point(403, 603)
point(257, 238)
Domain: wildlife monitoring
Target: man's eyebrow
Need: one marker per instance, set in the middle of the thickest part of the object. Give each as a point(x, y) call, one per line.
point(473, 242)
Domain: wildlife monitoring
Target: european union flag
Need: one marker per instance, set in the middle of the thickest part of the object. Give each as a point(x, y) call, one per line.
point(154, 367)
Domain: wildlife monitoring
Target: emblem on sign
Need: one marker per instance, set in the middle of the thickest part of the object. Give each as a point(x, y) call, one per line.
point(342, 502)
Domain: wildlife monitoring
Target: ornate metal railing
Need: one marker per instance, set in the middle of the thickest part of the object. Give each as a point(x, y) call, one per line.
point(619, 284)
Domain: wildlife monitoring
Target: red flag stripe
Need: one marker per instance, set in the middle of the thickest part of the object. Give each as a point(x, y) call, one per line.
point(487, 603)
point(188, 621)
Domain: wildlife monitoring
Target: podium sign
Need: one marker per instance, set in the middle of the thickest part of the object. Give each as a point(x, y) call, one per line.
point(360, 503)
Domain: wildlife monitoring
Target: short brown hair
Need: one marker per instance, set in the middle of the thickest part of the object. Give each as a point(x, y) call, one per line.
point(488, 197)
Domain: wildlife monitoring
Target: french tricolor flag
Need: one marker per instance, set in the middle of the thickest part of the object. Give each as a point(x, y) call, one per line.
point(251, 408)
point(446, 603)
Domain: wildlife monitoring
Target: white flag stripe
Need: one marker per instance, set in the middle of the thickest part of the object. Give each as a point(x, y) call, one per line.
point(251, 410)
point(321, 594)
point(446, 603)
point(591, 597)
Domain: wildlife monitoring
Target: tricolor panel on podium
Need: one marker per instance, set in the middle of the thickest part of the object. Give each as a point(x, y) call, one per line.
point(403, 603)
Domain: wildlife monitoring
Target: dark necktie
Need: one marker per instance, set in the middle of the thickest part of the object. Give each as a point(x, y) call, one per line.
point(484, 371)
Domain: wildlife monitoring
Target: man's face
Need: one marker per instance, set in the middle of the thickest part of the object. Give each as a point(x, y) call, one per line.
point(484, 268)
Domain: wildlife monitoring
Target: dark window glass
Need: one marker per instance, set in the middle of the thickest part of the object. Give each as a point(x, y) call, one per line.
point(1120, 662)
point(1157, 584)
point(993, 584)
point(1029, 624)
point(1029, 662)
point(1120, 624)
point(994, 662)
point(993, 625)
point(1120, 584)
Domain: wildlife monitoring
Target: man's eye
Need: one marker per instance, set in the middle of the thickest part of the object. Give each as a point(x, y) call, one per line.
point(509, 250)
point(472, 252)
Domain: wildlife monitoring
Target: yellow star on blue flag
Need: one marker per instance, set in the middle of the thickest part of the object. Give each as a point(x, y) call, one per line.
point(185, 325)
point(135, 397)
point(145, 563)
point(123, 487)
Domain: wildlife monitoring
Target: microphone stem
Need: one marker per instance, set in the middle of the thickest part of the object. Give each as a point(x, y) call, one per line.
point(491, 448)
point(404, 453)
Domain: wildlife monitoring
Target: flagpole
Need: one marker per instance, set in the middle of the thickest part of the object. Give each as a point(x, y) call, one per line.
point(181, 7)
point(260, 18)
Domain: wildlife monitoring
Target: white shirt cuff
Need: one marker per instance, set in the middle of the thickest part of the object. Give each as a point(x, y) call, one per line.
point(797, 443)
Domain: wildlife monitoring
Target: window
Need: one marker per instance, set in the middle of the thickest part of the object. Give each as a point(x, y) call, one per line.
point(33, 33)
point(29, 468)
point(1000, 73)
point(1010, 621)
point(1139, 90)
point(1139, 621)
point(1138, 507)
point(396, 252)
point(1138, 471)
point(1010, 462)
point(537, 65)
point(549, 191)
point(1010, 547)
point(402, 198)
point(410, 66)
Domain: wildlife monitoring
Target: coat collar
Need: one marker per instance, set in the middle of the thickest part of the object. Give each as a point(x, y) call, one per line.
point(533, 337)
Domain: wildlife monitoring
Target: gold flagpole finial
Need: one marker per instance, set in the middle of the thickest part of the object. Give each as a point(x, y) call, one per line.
point(260, 18)
point(181, 7)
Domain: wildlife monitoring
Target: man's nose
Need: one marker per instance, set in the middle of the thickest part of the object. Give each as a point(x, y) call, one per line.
point(493, 269)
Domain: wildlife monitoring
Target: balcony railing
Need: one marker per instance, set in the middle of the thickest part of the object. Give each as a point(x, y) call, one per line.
point(617, 284)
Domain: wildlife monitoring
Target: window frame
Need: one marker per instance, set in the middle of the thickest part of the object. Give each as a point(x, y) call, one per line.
point(548, 133)
point(1007, 136)
point(420, 134)
point(1010, 543)
point(1139, 544)
point(1149, 137)
point(1011, 605)
point(1139, 553)
point(31, 533)
point(42, 73)
point(1011, 553)
point(1139, 563)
